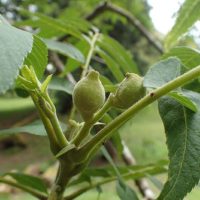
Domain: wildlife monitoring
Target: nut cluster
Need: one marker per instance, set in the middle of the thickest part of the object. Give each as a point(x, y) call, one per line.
point(89, 94)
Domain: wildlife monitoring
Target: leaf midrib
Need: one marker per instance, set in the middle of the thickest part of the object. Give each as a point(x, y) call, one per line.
point(183, 157)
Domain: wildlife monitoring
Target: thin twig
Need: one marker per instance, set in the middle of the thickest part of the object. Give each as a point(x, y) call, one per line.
point(106, 6)
point(102, 7)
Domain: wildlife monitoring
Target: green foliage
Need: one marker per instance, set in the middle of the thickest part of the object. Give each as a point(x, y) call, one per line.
point(125, 192)
point(187, 16)
point(181, 97)
point(118, 53)
point(15, 46)
point(139, 170)
point(183, 133)
point(29, 181)
point(65, 49)
point(61, 84)
point(19, 47)
point(162, 72)
point(189, 57)
point(108, 85)
point(35, 128)
point(37, 58)
point(112, 65)
point(72, 65)
point(48, 26)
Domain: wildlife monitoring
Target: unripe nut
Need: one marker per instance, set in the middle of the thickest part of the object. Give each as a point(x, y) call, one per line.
point(89, 95)
point(129, 91)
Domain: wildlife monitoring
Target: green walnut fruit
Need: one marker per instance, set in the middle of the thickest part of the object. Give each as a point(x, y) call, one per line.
point(89, 95)
point(129, 91)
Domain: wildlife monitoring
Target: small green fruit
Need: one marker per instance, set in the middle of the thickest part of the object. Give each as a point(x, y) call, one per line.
point(129, 92)
point(89, 95)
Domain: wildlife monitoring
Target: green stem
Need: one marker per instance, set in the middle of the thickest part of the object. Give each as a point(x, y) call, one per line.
point(89, 187)
point(59, 133)
point(62, 179)
point(93, 144)
point(90, 53)
point(36, 193)
point(51, 123)
point(130, 175)
point(84, 131)
point(48, 126)
point(54, 121)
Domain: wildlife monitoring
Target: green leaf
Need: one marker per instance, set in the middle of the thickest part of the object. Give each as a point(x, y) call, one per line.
point(61, 84)
point(37, 58)
point(189, 57)
point(125, 192)
point(17, 48)
point(107, 84)
point(79, 22)
point(65, 49)
point(110, 160)
point(72, 64)
point(162, 72)
point(156, 182)
point(116, 138)
point(112, 65)
point(29, 181)
point(181, 97)
point(182, 129)
point(187, 16)
point(65, 150)
point(48, 26)
point(118, 53)
point(15, 45)
point(137, 171)
point(35, 128)
point(46, 83)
